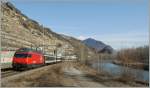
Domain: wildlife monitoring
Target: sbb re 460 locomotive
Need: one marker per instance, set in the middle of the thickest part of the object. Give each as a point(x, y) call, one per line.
point(25, 58)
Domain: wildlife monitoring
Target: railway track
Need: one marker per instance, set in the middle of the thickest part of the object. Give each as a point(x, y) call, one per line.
point(8, 72)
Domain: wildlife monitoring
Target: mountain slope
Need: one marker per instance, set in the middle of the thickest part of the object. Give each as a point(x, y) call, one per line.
point(19, 31)
point(98, 45)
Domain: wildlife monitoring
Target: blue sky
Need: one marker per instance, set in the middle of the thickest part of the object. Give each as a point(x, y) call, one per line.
point(119, 23)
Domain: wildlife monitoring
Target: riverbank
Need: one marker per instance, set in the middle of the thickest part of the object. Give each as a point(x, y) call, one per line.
point(67, 74)
point(122, 73)
point(133, 65)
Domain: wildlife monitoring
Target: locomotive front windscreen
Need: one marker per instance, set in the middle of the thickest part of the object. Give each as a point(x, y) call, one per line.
point(22, 55)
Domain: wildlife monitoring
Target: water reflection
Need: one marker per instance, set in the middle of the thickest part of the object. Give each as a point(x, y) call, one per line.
point(117, 70)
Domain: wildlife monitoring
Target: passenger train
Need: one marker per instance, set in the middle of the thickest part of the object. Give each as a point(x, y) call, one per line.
point(25, 58)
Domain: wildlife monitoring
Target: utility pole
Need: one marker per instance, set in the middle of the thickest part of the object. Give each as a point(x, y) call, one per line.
point(98, 61)
point(82, 54)
point(55, 53)
point(31, 38)
point(43, 41)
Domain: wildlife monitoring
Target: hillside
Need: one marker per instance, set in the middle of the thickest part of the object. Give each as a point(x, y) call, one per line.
point(99, 46)
point(19, 31)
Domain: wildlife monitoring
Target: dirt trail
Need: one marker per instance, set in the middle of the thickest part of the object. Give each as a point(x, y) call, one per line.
point(79, 78)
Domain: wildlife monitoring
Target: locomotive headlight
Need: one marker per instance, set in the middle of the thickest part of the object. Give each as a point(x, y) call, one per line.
point(34, 61)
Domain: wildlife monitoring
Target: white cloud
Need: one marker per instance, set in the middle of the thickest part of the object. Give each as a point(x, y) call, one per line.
point(82, 37)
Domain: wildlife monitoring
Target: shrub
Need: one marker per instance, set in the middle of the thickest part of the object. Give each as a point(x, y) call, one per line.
point(140, 54)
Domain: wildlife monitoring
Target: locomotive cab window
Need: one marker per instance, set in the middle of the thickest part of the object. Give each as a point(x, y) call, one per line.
point(23, 55)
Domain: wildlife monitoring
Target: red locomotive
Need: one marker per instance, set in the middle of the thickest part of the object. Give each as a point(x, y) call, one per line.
point(29, 58)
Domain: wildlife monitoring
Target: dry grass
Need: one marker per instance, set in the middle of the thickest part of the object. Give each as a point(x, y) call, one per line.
point(51, 76)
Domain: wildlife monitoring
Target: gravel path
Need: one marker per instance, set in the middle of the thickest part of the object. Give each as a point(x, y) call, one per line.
point(80, 79)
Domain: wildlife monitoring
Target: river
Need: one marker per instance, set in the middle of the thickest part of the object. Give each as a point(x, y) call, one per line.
point(117, 70)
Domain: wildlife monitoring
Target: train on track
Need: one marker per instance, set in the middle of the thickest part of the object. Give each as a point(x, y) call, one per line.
point(26, 58)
